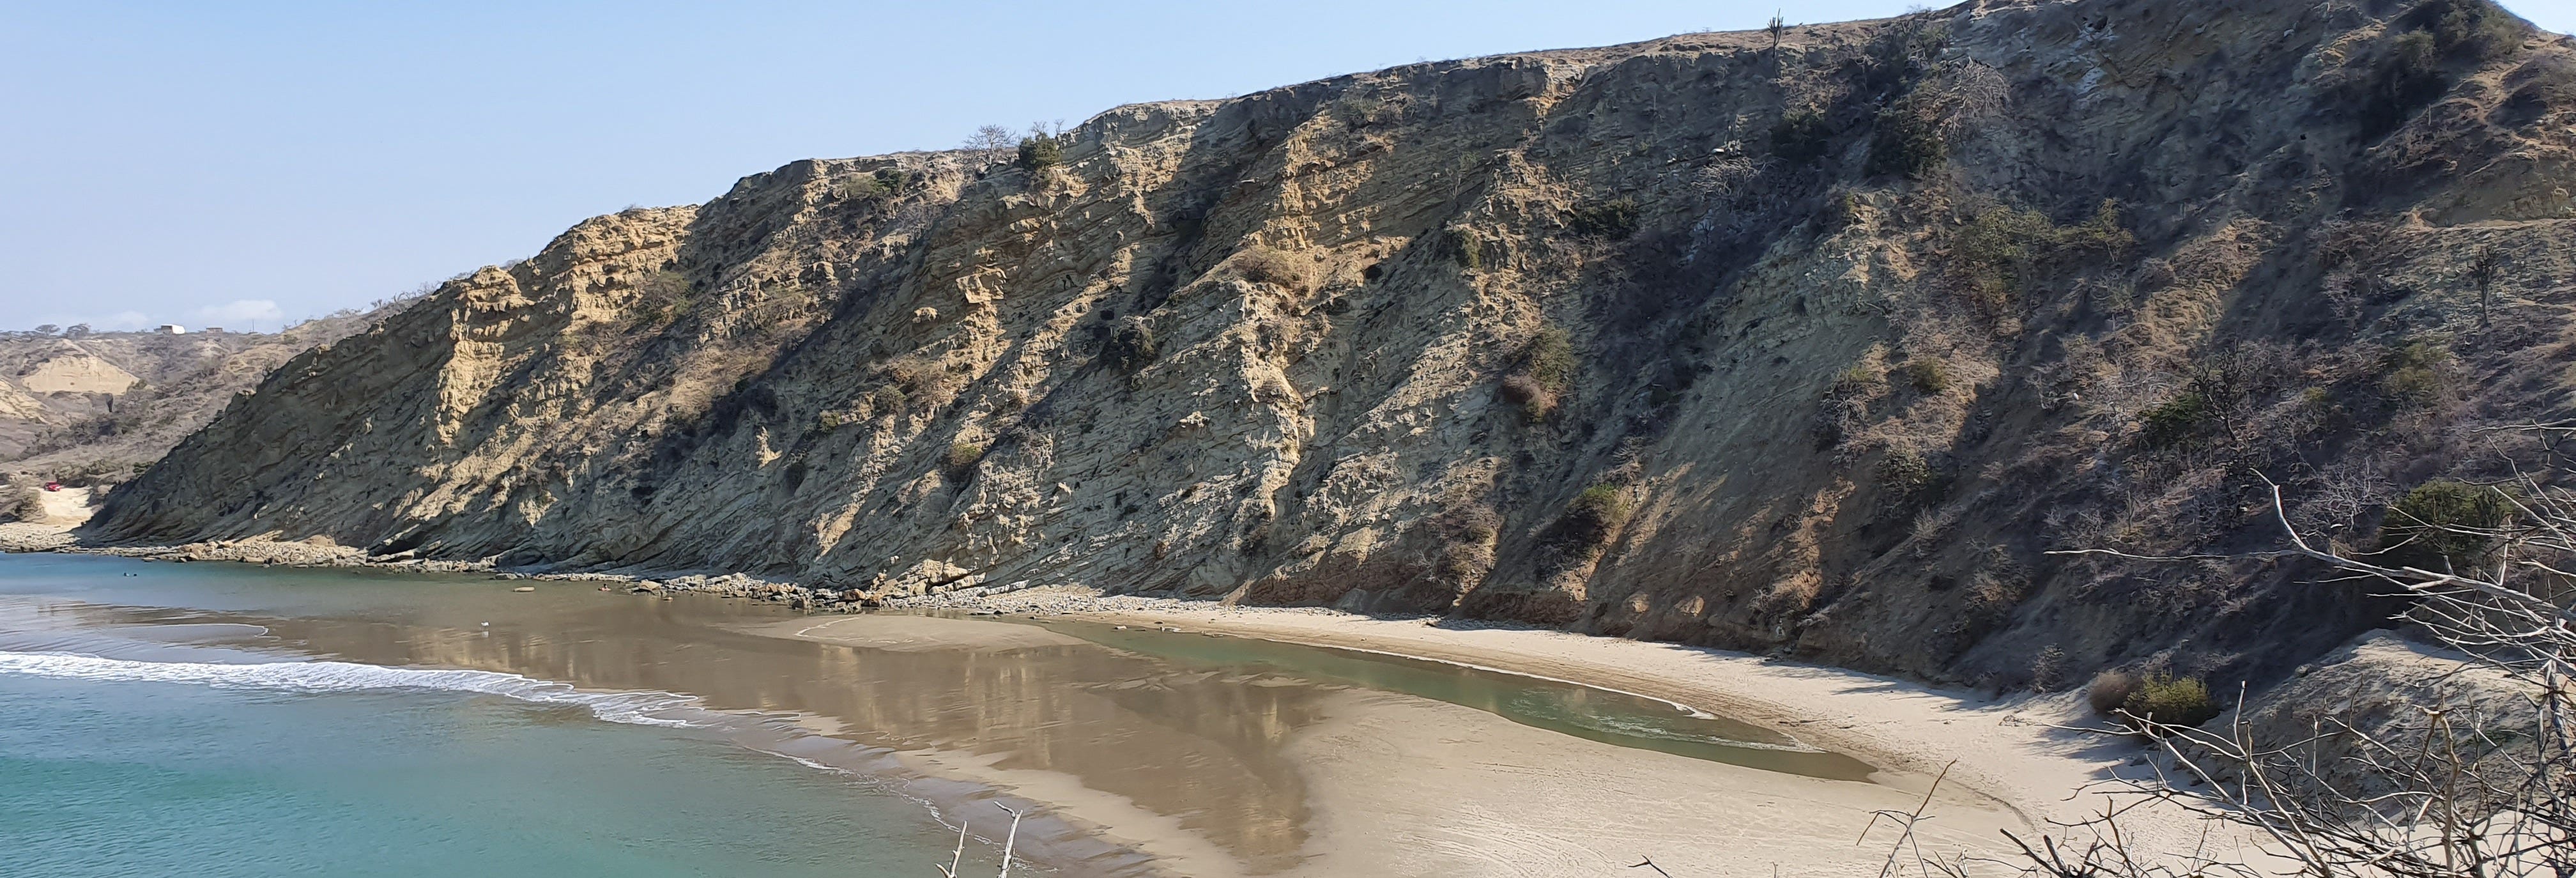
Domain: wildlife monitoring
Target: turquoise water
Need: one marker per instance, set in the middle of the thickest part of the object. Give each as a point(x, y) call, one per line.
point(130, 778)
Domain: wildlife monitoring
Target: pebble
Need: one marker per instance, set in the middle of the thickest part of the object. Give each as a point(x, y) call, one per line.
point(525, 588)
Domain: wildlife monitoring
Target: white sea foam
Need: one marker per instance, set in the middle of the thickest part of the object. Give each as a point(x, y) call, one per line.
point(638, 708)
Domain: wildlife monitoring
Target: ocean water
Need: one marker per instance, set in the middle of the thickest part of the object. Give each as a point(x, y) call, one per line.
point(231, 720)
point(115, 767)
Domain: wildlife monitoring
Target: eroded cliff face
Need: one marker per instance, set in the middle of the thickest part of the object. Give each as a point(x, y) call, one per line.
point(1815, 348)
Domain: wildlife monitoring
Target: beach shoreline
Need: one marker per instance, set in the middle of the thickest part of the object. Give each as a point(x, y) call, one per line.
point(2021, 754)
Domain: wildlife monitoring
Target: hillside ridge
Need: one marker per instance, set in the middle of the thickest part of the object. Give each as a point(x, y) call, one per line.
point(1815, 349)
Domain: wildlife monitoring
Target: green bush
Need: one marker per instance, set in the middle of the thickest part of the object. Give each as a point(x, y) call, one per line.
point(2179, 701)
point(1040, 151)
point(661, 296)
point(1856, 378)
point(2443, 525)
point(1998, 249)
point(2413, 374)
point(1549, 357)
point(960, 458)
point(1906, 474)
point(1927, 376)
point(858, 187)
point(887, 400)
point(2413, 386)
point(1801, 137)
point(2176, 422)
point(2100, 234)
point(2002, 251)
point(893, 179)
point(1593, 518)
point(1464, 248)
point(2407, 78)
point(1614, 219)
point(1842, 211)
point(1906, 142)
point(1540, 373)
point(2475, 30)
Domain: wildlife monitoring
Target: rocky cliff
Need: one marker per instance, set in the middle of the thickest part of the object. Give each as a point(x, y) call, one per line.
point(1813, 344)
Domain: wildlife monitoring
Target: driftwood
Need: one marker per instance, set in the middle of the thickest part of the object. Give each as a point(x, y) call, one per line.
point(1009, 842)
point(2451, 793)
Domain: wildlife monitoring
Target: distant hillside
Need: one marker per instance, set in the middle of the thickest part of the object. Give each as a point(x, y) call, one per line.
point(93, 408)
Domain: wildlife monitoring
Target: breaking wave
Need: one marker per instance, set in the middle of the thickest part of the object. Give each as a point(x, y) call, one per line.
point(636, 708)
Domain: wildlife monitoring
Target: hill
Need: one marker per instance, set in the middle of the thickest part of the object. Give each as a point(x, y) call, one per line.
point(1813, 347)
point(94, 408)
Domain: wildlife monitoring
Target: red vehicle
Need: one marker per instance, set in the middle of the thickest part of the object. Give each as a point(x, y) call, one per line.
point(53, 486)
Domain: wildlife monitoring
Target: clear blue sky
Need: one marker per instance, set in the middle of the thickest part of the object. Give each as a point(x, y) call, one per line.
point(248, 163)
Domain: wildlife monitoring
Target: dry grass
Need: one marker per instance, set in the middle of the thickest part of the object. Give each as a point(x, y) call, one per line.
point(1267, 265)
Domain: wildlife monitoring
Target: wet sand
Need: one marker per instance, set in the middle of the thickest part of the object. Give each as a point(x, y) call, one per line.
point(2021, 754)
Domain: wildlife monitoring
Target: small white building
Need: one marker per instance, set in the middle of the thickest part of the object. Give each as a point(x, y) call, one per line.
point(172, 329)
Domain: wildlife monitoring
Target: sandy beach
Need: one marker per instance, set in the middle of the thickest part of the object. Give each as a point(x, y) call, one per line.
point(1405, 785)
point(2010, 764)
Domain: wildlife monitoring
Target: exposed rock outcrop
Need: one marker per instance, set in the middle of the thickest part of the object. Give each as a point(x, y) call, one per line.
point(1815, 348)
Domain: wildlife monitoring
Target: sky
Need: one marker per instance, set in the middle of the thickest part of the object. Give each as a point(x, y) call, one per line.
point(249, 164)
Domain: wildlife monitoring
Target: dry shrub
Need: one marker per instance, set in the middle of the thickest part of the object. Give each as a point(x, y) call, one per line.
point(1789, 596)
point(927, 383)
point(1541, 372)
point(1467, 542)
point(2046, 668)
point(2111, 691)
point(1614, 219)
point(1131, 345)
point(1265, 265)
point(661, 297)
point(1526, 392)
